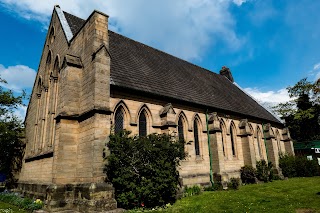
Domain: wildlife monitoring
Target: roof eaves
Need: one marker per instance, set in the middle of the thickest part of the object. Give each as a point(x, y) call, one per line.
point(264, 107)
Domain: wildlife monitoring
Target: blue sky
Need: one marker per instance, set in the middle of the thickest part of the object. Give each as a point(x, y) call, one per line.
point(268, 45)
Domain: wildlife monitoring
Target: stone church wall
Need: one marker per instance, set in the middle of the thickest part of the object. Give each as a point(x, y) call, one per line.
point(249, 144)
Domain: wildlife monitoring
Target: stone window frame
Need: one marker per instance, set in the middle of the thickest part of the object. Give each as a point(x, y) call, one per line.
point(127, 114)
point(233, 139)
point(56, 68)
point(185, 125)
point(260, 141)
point(119, 120)
point(223, 128)
point(197, 119)
point(48, 69)
point(54, 77)
point(143, 124)
point(52, 35)
point(149, 121)
point(278, 139)
point(39, 86)
point(252, 137)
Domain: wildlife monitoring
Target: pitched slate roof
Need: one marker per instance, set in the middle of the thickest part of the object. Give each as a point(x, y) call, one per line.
point(75, 22)
point(137, 66)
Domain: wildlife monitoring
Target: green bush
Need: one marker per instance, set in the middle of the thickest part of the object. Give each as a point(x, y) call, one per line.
point(23, 203)
point(248, 174)
point(264, 171)
point(298, 166)
point(191, 191)
point(234, 183)
point(288, 165)
point(277, 177)
point(217, 186)
point(143, 170)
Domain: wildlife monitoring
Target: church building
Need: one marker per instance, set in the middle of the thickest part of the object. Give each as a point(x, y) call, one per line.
point(92, 81)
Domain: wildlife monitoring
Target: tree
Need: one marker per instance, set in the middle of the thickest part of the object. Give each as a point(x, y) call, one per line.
point(143, 170)
point(11, 135)
point(302, 113)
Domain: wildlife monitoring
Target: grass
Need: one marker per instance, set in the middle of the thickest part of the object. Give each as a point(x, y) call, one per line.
point(294, 195)
point(8, 208)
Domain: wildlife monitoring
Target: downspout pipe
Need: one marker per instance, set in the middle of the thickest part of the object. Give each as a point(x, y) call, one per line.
point(209, 148)
point(265, 141)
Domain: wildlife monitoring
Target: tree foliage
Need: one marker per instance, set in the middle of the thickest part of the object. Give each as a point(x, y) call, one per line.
point(143, 170)
point(302, 113)
point(11, 135)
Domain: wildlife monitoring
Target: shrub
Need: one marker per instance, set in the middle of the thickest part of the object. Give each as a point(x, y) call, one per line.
point(234, 183)
point(143, 170)
point(23, 203)
point(287, 165)
point(264, 171)
point(277, 177)
point(190, 191)
point(248, 174)
point(298, 166)
point(217, 186)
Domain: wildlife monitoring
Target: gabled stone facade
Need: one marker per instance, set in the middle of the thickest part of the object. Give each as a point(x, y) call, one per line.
point(72, 110)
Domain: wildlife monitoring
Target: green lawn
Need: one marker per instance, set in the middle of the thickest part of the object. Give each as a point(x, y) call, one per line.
point(7, 208)
point(294, 195)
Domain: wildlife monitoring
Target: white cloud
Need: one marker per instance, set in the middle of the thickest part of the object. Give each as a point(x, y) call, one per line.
point(20, 112)
point(239, 2)
point(316, 66)
point(18, 77)
point(270, 97)
point(314, 73)
point(185, 28)
point(316, 70)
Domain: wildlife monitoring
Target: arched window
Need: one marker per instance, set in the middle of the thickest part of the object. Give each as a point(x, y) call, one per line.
point(51, 35)
point(143, 124)
point(223, 132)
point(180, 129)
point(196, 137)
point(233, 139)
point(118, 120)
point(252, 138)
point(39, 86)
point(47, 72)
point(48, 62)
point(56, 68)
point(278, 142)
point(259, 136)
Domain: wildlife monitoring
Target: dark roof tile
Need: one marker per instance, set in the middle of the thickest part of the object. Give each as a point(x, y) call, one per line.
point(75, 22)
point(140, 67)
